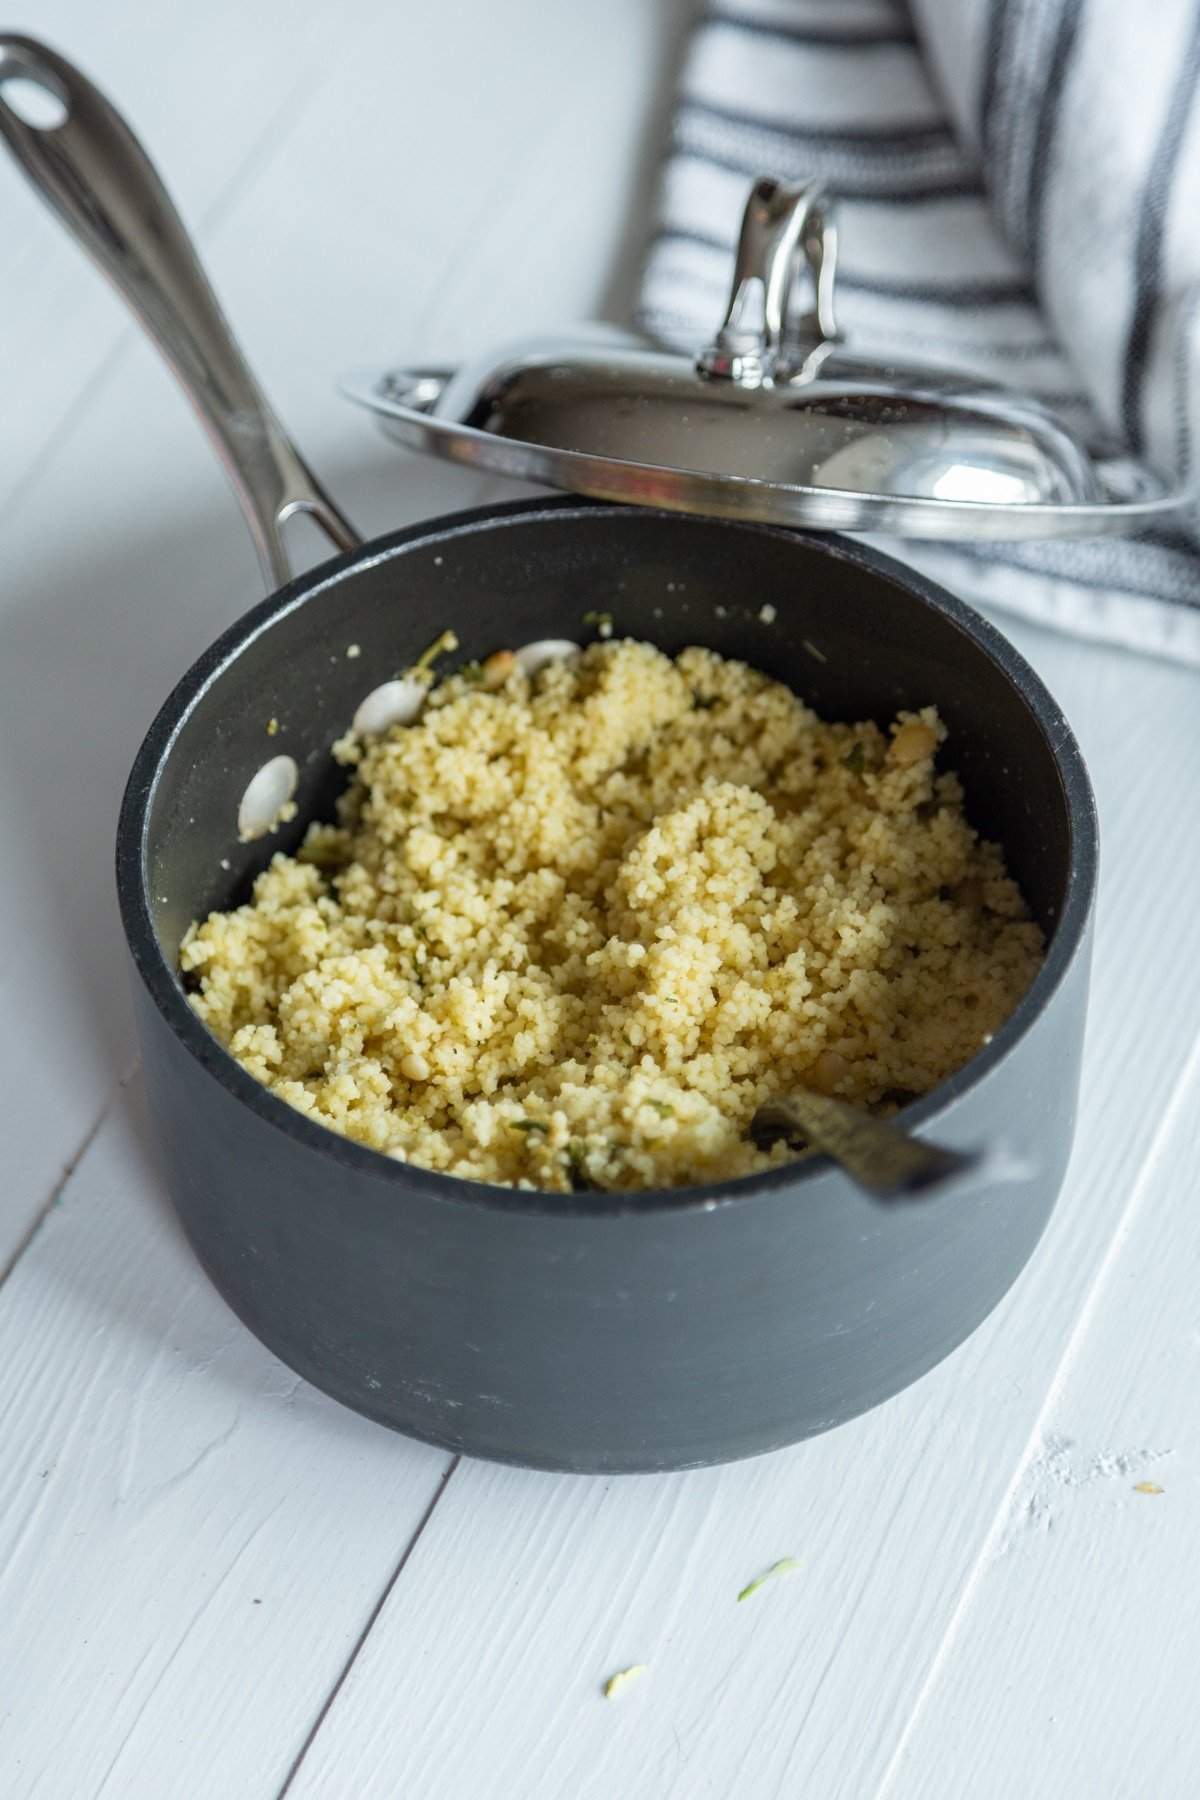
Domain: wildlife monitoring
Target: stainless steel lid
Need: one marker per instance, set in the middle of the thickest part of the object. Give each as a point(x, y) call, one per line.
point(777, 420)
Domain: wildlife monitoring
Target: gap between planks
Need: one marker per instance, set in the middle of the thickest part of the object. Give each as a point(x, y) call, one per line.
point(69, 1167)
point(1189, 1076)
point(367, 1629)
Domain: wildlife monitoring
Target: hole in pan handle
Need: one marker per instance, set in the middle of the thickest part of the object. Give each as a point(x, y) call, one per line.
point(91, 170)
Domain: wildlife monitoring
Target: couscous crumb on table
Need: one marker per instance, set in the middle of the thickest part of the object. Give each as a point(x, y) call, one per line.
point(571, 930)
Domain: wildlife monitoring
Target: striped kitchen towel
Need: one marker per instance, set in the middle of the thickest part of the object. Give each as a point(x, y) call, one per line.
point(1019, 194)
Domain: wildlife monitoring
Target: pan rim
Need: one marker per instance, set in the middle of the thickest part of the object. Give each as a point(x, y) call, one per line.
point(162, 982)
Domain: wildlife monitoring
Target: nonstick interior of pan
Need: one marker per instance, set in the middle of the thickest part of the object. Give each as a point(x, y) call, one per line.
point(846, 636)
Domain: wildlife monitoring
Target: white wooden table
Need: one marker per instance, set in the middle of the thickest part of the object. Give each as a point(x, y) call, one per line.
point(214, 1581)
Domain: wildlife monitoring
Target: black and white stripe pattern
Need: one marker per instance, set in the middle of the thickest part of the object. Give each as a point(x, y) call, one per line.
point(1039, 224)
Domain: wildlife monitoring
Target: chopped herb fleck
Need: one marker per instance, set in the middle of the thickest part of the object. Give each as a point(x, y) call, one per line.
point(472, 671)
point(272, 727)
point(813, 651)
point(662, 1107)
point(787, 1566)
point(420, 930)
point(581, 1182)
point(853, 759)
point(447, 641)
point(598, 619)
point(621, 1680)
point(528, 1125)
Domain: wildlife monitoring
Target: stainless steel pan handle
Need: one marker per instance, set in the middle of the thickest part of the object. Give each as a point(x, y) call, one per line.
point(98, 179)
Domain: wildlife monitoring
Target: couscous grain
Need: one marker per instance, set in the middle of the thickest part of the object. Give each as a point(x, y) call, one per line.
point(572, 928)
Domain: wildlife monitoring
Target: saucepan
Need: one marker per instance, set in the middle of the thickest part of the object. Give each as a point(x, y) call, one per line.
point(589, 1331)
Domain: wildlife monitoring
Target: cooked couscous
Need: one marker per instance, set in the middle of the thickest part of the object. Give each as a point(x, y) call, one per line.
point(572, 929)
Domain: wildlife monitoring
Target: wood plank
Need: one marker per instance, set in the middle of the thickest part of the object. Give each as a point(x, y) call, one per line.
point(209, 89)
point(1071, 1671)
point(191, 1538)
point(543, 1587)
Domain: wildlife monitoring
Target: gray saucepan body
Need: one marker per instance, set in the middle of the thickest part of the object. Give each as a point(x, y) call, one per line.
point(601, 1331)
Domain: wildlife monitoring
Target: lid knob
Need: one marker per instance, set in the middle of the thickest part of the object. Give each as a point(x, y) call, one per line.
point(760, 342)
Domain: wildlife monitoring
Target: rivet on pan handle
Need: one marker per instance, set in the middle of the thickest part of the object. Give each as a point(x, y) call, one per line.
point(95, 175)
